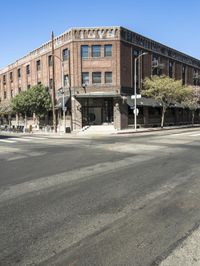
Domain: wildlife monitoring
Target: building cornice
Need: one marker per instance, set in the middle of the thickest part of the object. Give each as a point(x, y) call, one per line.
point(83, 33)
point(105, 33)
point(156, 47)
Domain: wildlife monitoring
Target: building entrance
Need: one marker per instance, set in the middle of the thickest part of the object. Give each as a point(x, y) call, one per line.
point(97, 111)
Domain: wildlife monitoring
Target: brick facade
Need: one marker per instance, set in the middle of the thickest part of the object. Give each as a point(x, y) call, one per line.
point(125, 47)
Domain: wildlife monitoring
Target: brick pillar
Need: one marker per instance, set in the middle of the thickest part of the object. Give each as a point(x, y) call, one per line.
point(120, 114)
point(76, 114)
point(146, 115)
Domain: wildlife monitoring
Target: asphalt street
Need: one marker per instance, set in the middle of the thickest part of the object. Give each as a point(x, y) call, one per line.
point(97, 200)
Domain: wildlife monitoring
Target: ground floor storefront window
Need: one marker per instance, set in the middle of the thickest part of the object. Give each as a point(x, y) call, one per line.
point(97, 111)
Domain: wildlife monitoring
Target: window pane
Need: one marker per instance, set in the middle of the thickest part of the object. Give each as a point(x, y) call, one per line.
point(65, 54)
point(11, 76)
point(108, 50)
point(50, 60)
point(28, 69)
point(19, 72)
point(96, 77)
point(96, 51)
point(50, 84)
point(66, 80)
point(85, 78)
point(38, 65)
point(108, 77)
point(84, 51)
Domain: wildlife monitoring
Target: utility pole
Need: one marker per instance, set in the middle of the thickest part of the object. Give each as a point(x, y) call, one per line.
point(53, 85)
point(135, 89)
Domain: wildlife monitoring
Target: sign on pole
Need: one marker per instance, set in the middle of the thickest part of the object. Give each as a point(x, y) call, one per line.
point(138, 96)
point(137, 111)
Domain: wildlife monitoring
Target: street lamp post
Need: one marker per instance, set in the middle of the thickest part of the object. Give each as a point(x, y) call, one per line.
point(135, 89)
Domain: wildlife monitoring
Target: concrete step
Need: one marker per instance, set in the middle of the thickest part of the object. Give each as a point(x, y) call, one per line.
point(97, 129)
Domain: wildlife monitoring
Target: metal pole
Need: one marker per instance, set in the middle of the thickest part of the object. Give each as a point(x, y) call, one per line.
point(53, 85)
point(63, 91)
point(135, 89)
point(135, 95)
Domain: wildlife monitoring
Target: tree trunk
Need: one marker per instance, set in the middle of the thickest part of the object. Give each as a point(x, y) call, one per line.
point(193, 112)
point(163, 116)
point(25, 123)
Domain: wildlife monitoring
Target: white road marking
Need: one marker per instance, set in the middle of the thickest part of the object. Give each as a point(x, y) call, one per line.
point(69, 176)
point(17, 157)
point(189, 134)
point(34, 138)
point(195, 135)
point(7, 140)
point(20, 139)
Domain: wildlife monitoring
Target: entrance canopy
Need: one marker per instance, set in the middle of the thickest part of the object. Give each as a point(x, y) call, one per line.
point(98, 95)
point(143, 102)
point(149, 102)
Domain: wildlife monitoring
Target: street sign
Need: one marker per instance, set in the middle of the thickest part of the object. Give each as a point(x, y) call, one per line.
point(137, 111)
point(138, 96)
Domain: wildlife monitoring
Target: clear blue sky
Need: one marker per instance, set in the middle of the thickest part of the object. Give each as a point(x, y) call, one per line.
point(26, 24)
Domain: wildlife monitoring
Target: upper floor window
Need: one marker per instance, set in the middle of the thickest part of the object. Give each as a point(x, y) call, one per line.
point(65, 54)
point(96, 50)
point(19, 89)
point(38, 65)
point(108, 77)
point(50, 84)
point(50, 60)
point(171, 68)
point(85, 78)
point(11, 93)
point(108, 50)
point(19, 72)
point(4, 94)
point(195, 77)
point(96, 77)
point(155, 65)
point(84, 51)
point(11, 76)
point(66, 80)
point(28, 69)
point(29, 86)
point(184, 75)
point(4, 79)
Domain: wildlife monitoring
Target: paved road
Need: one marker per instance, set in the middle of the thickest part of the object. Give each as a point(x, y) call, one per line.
point(120, 200)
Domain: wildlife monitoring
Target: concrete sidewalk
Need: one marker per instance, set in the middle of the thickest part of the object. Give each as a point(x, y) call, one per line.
point(187, 253)
point(107, 130)
point(131, 130)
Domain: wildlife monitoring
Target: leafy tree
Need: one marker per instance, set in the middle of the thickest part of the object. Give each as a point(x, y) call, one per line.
point(21, 103)
point(191, 99)
point(165, 90)
point(35, 100)
point(40, 100)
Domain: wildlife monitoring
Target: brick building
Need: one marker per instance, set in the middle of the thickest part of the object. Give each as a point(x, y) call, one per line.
point(98, 76)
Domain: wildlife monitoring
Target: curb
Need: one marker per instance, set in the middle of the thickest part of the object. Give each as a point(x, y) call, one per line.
point(157, 129)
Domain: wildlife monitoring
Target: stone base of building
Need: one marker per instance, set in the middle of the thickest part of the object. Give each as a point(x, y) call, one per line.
point(105, 111)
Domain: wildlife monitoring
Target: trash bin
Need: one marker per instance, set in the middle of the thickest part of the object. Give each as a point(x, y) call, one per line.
point(67, 130)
